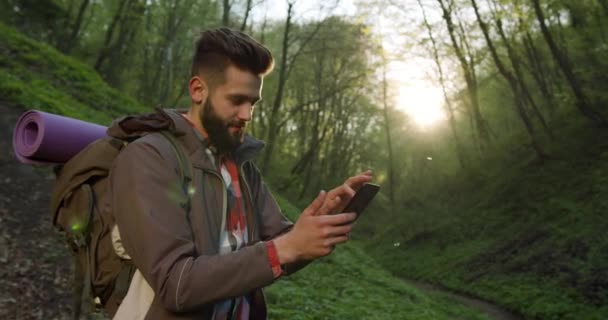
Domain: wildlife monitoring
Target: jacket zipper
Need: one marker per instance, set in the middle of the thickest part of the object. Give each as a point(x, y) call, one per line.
point(250, 199)
point(224, 194)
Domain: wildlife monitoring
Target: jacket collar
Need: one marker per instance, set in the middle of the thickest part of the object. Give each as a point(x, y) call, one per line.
point(131, 127)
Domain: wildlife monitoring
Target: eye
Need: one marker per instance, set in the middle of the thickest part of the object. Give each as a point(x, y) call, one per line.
point(237, 100)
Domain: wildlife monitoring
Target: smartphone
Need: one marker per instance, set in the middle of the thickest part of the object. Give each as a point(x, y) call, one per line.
point(362, 198)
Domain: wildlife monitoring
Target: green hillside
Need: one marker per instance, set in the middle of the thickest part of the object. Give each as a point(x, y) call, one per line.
point(531, 238)
point(349, 284)
point(34, 75)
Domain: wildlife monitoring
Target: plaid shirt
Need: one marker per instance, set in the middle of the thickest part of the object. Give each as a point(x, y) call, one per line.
point(233, 237)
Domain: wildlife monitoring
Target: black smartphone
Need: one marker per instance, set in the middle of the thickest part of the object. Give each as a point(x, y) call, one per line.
point(362, 198)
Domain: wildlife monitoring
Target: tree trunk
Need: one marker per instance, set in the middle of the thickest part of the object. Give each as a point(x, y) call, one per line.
point(278, 99)
point(104, 52)
point(318, 133)
point(389, 145)
point(128, 27)
point(226, 13)
point(470, 79)
point(519, 102)
point(247, 11)
point(565, 66)
point(520, 78)
point(448, 105)
point(604, 4)
point(68, 45)
point(537, 71)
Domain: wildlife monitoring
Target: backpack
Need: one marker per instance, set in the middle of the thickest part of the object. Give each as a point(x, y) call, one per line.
point(81, 211)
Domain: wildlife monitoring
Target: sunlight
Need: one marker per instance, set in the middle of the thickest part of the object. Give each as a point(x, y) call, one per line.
point(414, 93)
point(422, 103)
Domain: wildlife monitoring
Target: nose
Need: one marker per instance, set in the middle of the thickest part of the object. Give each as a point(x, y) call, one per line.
point(245, 112)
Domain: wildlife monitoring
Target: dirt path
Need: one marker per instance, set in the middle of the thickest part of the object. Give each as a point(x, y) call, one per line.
point(489, 309)
point(35, 266)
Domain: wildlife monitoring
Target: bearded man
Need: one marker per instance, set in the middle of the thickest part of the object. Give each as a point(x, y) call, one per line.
point(206, 251)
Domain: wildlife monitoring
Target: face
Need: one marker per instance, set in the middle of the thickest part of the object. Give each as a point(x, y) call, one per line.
point(229, 108)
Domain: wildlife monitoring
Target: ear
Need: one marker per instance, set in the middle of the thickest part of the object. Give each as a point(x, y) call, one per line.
point(199, 91)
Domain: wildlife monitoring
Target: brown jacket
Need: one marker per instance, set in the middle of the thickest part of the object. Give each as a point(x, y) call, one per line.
point(177, 251)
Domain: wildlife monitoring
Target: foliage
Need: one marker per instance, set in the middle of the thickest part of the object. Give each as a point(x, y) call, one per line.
point(330, 123)
point(36, 76)
point(33, 17)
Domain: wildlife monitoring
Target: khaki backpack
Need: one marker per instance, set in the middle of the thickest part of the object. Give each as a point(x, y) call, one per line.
point(80, 209)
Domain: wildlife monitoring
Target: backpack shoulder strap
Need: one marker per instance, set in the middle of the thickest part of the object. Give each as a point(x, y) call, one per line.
point(182, 158)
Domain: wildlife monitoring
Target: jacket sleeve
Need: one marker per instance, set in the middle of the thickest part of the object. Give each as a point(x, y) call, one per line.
point(273, 222)
point(147, 202)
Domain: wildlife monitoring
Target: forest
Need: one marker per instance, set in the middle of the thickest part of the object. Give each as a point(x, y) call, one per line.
point(484, 122)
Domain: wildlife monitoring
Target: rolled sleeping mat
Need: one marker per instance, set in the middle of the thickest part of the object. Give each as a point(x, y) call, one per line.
point(46, 138)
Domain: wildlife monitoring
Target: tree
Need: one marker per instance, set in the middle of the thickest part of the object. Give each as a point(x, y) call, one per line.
point(517, 69)
point(119, 39)
point(67, 44)
point(322, 105)
point(440, 74)
point(513, 84)
point(562, 61)
point(389, 145)
point(287, 61)
point(468, 68)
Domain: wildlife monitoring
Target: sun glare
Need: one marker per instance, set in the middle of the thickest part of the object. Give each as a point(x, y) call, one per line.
point(424, 104)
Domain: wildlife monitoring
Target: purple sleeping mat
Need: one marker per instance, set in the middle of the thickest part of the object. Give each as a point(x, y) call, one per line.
point(46, 138)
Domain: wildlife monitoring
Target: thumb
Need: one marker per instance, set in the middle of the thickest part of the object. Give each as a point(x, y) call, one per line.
point(315, 205)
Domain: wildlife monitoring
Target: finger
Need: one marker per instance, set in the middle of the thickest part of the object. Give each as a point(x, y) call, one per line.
point(348, 191)
point(340, 202)
point(339, 219)
point(336, 240)
point(345, 191)
point(330, 205)
point(357, 181)
point(336, 231)
point(367, 172)
point(315, 205)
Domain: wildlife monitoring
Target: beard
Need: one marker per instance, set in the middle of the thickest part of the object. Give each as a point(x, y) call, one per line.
point(218, 130)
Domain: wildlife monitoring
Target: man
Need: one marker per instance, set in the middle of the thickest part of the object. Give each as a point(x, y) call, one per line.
point(206, 252)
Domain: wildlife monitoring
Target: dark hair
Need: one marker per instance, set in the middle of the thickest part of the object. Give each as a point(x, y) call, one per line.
point(217, 48)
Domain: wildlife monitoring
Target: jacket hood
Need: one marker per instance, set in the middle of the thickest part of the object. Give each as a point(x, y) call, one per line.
point(133, 126)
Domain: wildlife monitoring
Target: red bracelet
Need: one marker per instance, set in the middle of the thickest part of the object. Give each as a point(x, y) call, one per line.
point(273, 258)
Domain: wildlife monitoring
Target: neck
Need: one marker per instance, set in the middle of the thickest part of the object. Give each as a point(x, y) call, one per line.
point(192, 116)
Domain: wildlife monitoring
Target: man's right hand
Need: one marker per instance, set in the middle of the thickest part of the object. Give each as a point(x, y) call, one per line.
point(313, 235)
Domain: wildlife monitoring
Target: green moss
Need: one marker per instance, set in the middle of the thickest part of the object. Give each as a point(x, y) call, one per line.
point(36, 76)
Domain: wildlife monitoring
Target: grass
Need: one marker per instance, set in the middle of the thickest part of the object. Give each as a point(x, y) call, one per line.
point(349, 284)
point(531, 238)
point(34, 75)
